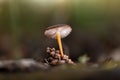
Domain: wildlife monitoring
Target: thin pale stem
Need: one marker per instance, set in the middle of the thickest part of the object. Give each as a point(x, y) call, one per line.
point(60, 44)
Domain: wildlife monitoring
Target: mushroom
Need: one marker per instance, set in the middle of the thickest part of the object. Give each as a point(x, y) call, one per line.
point(57, 32)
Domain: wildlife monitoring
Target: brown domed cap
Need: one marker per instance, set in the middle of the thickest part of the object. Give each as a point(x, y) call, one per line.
point(63, 29)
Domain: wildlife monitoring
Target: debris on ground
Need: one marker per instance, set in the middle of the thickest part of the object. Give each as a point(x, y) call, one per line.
point(54, 58)
point(21, 65)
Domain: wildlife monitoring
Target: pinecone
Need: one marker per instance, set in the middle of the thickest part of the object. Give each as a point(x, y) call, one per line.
point(54, 58)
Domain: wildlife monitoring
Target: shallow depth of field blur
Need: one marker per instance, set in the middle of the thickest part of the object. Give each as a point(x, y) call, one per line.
point(94, 43)
point(95, 23)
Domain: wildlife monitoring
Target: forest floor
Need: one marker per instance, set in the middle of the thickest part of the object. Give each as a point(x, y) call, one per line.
point(105, 71)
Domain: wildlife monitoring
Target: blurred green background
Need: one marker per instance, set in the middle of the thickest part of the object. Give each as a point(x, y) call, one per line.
point(27, 19)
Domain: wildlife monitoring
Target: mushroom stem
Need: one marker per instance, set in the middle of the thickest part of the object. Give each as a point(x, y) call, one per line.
point(60, 44)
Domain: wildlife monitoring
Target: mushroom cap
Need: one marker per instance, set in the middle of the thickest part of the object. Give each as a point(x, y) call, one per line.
point(63, 29)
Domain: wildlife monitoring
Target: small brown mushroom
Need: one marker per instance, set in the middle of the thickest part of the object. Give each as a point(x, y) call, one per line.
point(57, 32)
